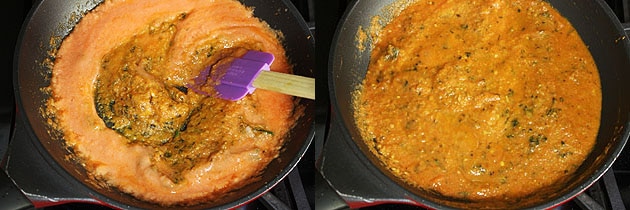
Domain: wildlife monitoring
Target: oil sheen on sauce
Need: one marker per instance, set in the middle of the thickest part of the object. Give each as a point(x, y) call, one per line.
point(482, 100)
point(120, 98)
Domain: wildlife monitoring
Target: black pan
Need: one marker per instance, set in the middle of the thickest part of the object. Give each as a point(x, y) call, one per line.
point(48, 23)
point(371, 183)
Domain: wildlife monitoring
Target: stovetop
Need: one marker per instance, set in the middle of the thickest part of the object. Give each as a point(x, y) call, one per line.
point(295, 192)
point(323, 16)
point(612, 191)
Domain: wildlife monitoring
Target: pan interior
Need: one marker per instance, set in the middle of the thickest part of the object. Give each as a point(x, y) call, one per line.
point(597, 26)
point(52, 20)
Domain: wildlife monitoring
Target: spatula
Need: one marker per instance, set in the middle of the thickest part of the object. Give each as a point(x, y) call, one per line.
point(243, 75)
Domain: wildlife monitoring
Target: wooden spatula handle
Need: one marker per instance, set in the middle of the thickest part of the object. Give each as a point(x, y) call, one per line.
point(289, 84)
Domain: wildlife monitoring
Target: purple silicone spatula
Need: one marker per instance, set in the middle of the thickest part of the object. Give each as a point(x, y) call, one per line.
point(243, 75)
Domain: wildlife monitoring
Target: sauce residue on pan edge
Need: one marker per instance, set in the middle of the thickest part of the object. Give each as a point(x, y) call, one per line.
point(119, 98)
point(483, 101)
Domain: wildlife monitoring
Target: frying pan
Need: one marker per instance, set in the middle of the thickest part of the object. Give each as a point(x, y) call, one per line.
point(49, 22)
point(366, 182)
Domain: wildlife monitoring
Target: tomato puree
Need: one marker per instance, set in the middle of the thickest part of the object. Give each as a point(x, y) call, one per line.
point(120, 95)
point(486, 100)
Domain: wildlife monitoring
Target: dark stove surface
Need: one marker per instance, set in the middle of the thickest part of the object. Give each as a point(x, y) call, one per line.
point(12, 13)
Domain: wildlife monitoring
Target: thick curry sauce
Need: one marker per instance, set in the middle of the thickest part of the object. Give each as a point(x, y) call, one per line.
point(120, 99)
point(486, 100)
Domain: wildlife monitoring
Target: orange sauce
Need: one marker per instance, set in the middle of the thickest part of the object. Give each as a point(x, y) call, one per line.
point(486, 100)
point(119, 95)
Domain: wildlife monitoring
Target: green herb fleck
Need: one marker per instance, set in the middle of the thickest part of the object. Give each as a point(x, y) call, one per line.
point(264, 131)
